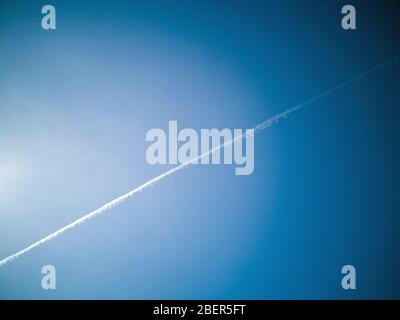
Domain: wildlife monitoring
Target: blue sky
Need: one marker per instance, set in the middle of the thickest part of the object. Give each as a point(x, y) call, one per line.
point(76, 104)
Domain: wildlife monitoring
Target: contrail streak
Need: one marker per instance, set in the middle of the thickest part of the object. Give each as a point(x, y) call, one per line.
point(268, 123)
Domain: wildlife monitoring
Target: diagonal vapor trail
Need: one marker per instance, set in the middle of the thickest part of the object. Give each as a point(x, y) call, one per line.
point(267, 123)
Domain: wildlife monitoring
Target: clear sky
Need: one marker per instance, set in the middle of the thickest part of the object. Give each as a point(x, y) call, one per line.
point(76, 104)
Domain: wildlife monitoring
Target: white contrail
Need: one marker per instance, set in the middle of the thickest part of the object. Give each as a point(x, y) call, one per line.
point(153, 181)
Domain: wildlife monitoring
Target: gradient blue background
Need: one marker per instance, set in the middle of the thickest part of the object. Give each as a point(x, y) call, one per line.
point(75, 106)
